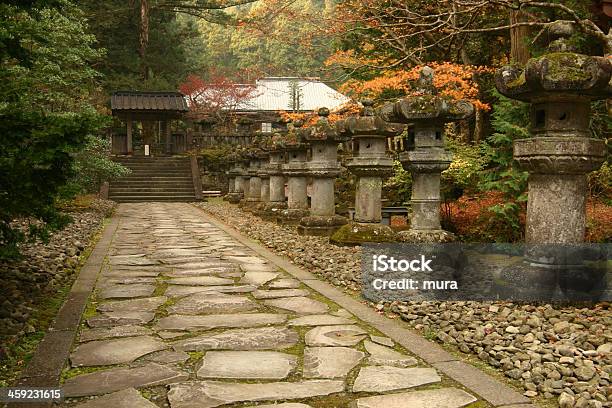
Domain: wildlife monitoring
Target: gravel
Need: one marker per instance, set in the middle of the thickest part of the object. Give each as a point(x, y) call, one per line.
point(42, 270)
point(554, 352)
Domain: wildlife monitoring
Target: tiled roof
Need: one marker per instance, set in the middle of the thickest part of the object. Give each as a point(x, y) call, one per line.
point(148, 101)
point(274, 94)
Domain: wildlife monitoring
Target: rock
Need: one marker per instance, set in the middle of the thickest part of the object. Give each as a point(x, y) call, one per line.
point(381, 355)
point(115, 351)
point(584, 373)
point(127, 291)
point(279, 293)
point(438, 398)
point(385, 341)
point(299, 305)
point(384, 378)
point(341, 335)
point(330, 362)
point(112, 332)
point(115, 379)
point(566, 401)
point(265, 338)
point(284, 283)
point(258, 278)
point(605, 348)
point(320, 320)
point(128, 398)
point(512, 330)
point(178, 290)
point(561, 327)
point(210, 394)
point(267, 365)
point(190, 322)
point(206, 302)
point(200, 281)
point(168, 356)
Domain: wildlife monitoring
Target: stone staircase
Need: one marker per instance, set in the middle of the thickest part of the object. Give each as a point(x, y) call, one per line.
point(154, 179)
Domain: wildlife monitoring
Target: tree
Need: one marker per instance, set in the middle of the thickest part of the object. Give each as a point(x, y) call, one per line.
point(215, 99)
point(46, 82)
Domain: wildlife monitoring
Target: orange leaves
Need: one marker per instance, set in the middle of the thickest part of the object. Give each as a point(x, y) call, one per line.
point(452, 80)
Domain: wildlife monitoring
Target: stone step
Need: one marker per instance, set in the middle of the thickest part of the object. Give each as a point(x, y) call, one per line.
point(138, 198)
point(129, 193)
point(154, 184)
point(150, 190)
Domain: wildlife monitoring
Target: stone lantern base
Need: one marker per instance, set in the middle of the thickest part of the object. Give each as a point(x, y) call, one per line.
point(356, 233)
point(272, 210)
point(321, 225)
point(233, 198)
point(426, 236)
point(291, 216)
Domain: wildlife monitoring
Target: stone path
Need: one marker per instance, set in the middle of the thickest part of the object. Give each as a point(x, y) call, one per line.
point(184, 316)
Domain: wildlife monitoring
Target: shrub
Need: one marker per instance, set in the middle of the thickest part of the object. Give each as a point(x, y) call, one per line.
point(398, 188)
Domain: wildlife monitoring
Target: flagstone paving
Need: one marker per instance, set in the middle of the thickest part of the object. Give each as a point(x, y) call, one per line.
point(185, 316)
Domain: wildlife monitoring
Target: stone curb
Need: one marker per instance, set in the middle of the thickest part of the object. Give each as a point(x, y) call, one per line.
point(493, 391)
point(47, 363)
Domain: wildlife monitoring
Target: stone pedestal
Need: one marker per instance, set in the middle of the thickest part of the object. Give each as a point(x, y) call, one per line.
point(254, 197)
point(371, 165)
point(559, 86)
point(428, 113)
point(323, 168)
point(274, 169)
point(264, 195)
point(297, 177)
point(234, 183)
point(246, 181)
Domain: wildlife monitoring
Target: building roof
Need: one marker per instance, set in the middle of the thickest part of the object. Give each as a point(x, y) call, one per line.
point(276, 94)
point(148, 101)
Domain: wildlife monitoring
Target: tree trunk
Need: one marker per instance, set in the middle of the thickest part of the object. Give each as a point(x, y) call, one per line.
point(519, 52)
point(144, 36)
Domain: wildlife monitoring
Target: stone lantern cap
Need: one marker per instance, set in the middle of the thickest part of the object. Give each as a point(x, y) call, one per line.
point(369, 125)
point(558, 75)
point(428, 107)
point(324, 131)
point(295, 138)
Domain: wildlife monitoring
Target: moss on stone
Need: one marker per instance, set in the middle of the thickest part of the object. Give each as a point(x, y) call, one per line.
point(356, 234)
point(566, 66)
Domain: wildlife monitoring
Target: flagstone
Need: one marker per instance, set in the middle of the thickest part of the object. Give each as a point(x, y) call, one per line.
point(258, 278)
point(200, 280)
point(198, 265)
point(113, 332)
point(258, 268)
point(115, 351)
point(128, 398)
point(279, 293)
point(319, 320)
point(385, 341)
point(167, 357)
point(330, 362)
point(341, 335)
point(127, 291)
point(207, 302)
point(189, 322)
point(111, 319)
point(210, 394)
point(284, 283)
point(283, 405)
point(381, 355)
point(263, 338)
point(299, 305)
point(179, 290)
point(133, 305)
point(264, 365)
point(385, 378)
point(438, 398)
point(251, 260)
point(179, 273)
point(131, 261)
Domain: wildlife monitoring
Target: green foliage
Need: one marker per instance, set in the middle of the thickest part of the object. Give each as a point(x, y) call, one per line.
point(600, 183)
point(398, 188)
point(91, 167)
point(213, 158)
point(510, 121)
point(46, 81)
point(464, 171)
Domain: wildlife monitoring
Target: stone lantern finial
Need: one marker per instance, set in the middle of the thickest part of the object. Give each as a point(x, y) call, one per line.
point(558, 34)
point(425, 83)
point(368, 109)
point(323, 112)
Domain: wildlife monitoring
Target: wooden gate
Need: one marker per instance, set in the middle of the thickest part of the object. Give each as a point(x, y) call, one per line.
point(119, 144)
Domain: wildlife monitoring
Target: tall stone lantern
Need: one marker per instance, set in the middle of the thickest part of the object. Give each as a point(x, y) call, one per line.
point(243, 179)
point(274, 168)
point(560, 87)
point(264, 196)
point(233, 195)
point(428, 113)
point(323, 168)
point(371, 164)
point(296, 170)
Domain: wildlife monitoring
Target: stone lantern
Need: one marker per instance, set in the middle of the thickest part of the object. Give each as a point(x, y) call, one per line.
point(559, 86)
point(243, 178)
point(323, 168)
point(264, 196)
point(428, 113)
point(371, 165)
point(234, 184)
point(274, 168)
point(254, 196)
point(296, 170)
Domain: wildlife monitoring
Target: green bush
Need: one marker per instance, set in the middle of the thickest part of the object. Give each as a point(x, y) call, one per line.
point(463, 174)
point(91, 167)
point(600, 183)
point(398, 188)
